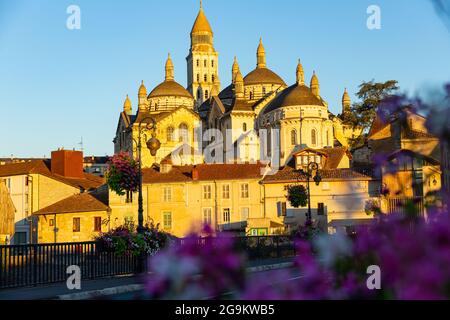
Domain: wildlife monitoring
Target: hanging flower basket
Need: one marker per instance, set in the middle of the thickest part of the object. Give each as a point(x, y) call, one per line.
point(297, 196)
point(122, 174)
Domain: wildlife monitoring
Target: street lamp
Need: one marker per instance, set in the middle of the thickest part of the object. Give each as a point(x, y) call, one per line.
point(153, 144)
point(312, 166)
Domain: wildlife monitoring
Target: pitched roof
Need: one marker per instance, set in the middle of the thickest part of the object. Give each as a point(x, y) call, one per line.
point(206, 172)
point(288, 175)
point(83, 202)
point(43, 167)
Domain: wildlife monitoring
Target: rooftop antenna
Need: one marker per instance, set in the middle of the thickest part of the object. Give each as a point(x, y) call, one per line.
point(81, 145)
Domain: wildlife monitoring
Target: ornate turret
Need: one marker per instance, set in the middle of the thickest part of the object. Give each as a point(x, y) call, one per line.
point(127, 108)
point(261, 55)
point(239, 86)
point(169, 69)
point(142, 96)
point(300, 74)
point(315, 87)
point(346, 102)
point(234, 71)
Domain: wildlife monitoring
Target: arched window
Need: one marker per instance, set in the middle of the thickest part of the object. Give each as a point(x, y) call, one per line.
point(205, 77)
point(198, 77)
point(264, 90)
point(251, 95)
point(199, 93)
point(205, 63)
point(244, 127)
point(169, 135)
point(198, 63)
point(313, 137)
point(206, 94)
point(213, 78)
point(212, 63)
point(183, 133)
point(293, 137)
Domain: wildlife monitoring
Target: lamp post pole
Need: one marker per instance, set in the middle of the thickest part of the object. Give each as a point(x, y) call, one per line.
point(312, 166)
point(153, 145)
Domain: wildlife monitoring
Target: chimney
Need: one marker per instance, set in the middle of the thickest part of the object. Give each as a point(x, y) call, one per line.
point(195, 176)
point(67, 163)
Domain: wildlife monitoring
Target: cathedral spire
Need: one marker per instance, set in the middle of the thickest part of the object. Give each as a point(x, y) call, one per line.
point(315, 87)
point(127, 106)
point(300, 74)
point(169, 69)
point(201, 30)
point(239, 86)
point(235, 69)
point(142, 90)
point(346, 102)
point(142, 97)
point(261, 55)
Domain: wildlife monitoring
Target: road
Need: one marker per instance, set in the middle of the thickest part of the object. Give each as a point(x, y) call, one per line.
point(269, 276)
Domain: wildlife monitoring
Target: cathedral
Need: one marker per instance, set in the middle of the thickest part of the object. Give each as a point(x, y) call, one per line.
point(291, 118)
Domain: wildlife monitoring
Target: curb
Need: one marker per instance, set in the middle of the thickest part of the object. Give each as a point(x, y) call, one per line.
point(101, 293)
point(137, 287)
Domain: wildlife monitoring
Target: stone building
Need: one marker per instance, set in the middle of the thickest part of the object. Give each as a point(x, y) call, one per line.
point(41, 191)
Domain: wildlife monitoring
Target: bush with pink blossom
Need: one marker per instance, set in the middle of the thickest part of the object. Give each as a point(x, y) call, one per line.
point(122, 174)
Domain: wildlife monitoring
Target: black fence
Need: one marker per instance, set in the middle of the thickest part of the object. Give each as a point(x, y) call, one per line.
point(30, 265)
point(27, 265)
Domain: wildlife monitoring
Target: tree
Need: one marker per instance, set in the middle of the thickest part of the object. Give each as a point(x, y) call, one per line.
point(371, 95)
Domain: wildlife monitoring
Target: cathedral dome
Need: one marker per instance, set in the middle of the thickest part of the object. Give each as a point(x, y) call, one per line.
point(295, 95)
point(169, 88)
point(263, 76)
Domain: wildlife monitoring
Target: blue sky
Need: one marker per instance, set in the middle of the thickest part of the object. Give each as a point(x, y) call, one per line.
point(58, 85)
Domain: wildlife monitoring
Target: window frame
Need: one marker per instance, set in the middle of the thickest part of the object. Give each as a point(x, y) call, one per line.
point(97, 225)
point(245, 193)
point(206, 192)
point(76, 224)
point(227, 185)
point(168, 214)
point(226, 212)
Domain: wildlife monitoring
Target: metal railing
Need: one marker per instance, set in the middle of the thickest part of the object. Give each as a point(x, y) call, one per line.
point(37, 264)
point(258, 247)
point(29, 265)
point(405, 204)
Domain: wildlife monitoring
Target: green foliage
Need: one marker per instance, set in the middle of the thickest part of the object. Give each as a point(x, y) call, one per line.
point(297, 196)
point(371, 95)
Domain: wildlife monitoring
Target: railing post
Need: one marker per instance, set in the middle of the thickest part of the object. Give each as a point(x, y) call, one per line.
point(278, 246)
point(35, 264)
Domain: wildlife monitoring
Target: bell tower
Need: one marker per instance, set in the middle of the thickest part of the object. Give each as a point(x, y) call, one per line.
point(202, 61)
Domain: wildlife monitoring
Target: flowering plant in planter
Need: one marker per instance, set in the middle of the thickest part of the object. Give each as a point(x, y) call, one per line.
point(125, 240)
point(122, 174)
point(372, 207)
point(297, 196)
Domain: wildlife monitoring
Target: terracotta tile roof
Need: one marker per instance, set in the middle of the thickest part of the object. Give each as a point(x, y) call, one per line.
point(289, 174)
point(413, 134)
point(206, 172)
point(21, 168)
point(83, 202)
point(44, 168)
